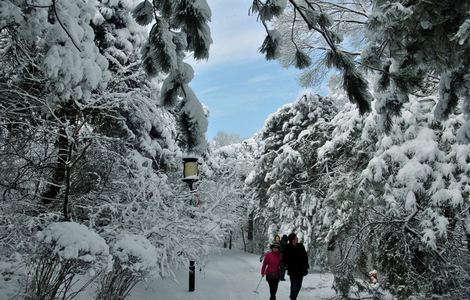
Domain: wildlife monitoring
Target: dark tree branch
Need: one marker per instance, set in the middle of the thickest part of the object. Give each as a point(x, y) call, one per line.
point(62, 25)
point(343, 8)
point(299, 9)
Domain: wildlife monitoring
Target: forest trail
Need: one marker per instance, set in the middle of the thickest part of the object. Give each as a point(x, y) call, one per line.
point(230, 275)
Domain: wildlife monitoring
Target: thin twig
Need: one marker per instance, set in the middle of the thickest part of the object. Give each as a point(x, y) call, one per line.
point(344, 8)
point(62, 25)
point(299, 9)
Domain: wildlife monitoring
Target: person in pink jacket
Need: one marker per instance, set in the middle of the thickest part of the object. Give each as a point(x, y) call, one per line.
point(272, 268)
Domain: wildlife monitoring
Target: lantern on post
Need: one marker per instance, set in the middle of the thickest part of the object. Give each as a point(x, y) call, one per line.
point(190, 171)
point(190, 176)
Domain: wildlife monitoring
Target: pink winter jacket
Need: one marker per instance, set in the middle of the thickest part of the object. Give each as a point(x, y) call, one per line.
point(271, 263)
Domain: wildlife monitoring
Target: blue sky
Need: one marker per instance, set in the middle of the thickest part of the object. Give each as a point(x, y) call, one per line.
point(238, 85)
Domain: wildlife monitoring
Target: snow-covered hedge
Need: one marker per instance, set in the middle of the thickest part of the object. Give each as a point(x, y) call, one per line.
point(135, 252)
point(72, 240)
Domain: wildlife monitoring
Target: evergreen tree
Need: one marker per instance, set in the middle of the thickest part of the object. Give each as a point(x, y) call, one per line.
point(315, 18)
point(287, 181)
point(409, 44)
point(397, 203)
point(415, 187)
point(180, 27)
point(410, 41)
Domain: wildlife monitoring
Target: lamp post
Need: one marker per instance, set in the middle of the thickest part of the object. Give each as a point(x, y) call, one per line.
point(190, 176)
point(190, 171)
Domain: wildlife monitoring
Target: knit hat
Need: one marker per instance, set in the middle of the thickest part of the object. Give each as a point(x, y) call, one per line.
point(292, 237)
point(373, 273)
point(275, 245)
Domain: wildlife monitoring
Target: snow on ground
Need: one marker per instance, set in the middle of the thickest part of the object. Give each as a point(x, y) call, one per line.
point(230, 275)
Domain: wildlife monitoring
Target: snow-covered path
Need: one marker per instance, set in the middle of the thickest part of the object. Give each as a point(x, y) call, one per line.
point(230, 275)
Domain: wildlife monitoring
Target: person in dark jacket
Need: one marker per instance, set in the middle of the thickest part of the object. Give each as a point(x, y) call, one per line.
point(296, 260)
point(284, 241)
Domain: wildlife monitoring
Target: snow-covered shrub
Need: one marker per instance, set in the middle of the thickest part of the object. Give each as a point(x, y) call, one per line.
point(66, 249)
point(133, 258)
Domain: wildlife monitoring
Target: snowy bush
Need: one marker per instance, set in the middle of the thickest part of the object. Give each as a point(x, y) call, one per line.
point(134, 257)
point(70, 240)
point(66, 249)
point(135, 253)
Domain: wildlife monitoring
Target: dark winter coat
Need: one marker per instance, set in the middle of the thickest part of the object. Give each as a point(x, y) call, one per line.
point(284, 241)
point(296, 260)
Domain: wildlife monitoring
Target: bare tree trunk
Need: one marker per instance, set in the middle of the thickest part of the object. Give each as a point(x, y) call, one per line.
point(466, 231)
point(332, 254)
point(243, 239)
point(468, 242)
point(59, 174)
point(250, 227)
point(67, 185)
point(230, 241)
point(250, 233)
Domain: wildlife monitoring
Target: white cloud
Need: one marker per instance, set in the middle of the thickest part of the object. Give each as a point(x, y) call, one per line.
point(260, 79)
point(210, 90)
point(236, 35)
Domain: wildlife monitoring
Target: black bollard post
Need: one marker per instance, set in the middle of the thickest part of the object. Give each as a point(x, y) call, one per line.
point(230, 241)
point(192, 275)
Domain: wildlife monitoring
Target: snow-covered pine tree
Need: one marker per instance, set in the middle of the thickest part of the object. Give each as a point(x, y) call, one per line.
point(140, 160)
point(411, 42)
point(51, 71)
point(179, 27)
point(344, 155)
point(53, 78)
point(307, 29)
point(417, 189)
point(398, 202)
point(287, 182)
